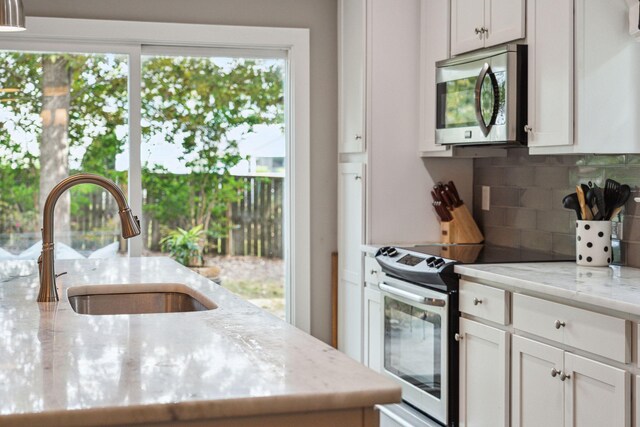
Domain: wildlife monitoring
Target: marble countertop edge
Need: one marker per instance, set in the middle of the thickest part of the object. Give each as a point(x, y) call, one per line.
point(200, 410)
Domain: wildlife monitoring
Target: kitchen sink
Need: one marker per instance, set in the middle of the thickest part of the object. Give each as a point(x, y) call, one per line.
point(137, 299)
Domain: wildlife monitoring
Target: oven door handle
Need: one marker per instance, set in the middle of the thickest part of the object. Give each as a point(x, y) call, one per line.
point(437, 302)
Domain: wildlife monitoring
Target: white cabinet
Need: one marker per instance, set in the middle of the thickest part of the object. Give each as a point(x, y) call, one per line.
point(373, 327)
point(537, 396)
point(434, 47)
point(476, 24)
point(582, 96)
point(484, 371)
point(350, 237)
point(551, 387)
point(550, 90)
point(352, 48)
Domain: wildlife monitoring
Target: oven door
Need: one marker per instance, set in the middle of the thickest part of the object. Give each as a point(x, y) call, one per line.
point(415, 344)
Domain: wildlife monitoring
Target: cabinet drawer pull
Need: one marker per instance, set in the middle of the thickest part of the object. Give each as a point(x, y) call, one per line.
point(528, 128)
point(564, 376)
point(457, 337)
point(477, 301)
point(558, 324)
point(374, 272)
point(555, 372)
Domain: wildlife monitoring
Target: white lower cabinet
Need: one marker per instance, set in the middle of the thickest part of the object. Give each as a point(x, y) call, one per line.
point(372, 328)
point(552, 387)
point(536, 396)
point(484, 372)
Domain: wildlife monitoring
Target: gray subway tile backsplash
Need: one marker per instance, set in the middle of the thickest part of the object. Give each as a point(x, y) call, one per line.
point(526, 199)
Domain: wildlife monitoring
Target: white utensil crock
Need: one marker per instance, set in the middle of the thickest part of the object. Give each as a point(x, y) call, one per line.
point(593, 243)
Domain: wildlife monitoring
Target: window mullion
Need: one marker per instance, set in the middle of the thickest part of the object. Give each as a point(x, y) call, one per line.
point(135, 140)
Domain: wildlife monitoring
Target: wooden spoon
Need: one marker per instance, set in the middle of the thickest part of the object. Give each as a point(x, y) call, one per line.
point(585, 213)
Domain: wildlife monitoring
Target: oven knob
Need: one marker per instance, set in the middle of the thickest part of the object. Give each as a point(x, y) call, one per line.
point(392, 252)
point(383, 250)
point(438, 262)
point(431, 259)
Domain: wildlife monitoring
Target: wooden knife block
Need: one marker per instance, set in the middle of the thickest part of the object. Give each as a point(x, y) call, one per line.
point(461, 229)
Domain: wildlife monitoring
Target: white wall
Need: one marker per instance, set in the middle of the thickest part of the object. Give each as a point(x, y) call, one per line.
point(320, 16)
point(399, 200)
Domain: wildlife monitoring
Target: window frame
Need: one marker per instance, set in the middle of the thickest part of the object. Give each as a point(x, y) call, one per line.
point(131, 38)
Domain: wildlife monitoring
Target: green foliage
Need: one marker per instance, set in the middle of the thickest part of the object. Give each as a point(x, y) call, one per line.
point(184, 245)
point(195, 103)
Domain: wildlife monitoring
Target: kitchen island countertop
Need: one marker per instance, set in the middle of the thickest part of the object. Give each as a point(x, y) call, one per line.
point(58, 367)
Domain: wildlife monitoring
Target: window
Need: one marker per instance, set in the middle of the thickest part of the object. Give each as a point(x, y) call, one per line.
point(130, 43)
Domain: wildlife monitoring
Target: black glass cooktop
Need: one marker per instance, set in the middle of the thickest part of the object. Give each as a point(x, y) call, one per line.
point(487, 254)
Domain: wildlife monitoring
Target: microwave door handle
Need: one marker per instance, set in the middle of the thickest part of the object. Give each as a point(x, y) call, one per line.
point(437, 302)
point(486, 68)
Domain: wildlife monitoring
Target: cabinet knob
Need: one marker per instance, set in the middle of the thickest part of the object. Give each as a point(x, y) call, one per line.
point(457, 337)
point(555, 372)
point(478, 30)
point(358, 137)
point(357, 177)
point(558, 324)
point(564, 376)
point(477, 301)
point(527, 128)
point(373, 272)
point(484, 30)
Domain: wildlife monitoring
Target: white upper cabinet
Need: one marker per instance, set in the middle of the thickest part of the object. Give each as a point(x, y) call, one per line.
point(550, 91)
point(476, 24)
point(583, 85)
point(352, 50)
point(434, 47)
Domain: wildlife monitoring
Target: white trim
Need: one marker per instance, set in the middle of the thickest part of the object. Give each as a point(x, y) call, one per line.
point(82, 35)
point(135, 143)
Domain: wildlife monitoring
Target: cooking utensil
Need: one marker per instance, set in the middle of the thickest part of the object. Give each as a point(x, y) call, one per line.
point(446, 200)
point(584, 211)
point(623, 193)
point(611, 194)
point(591, 200)
point(571, 201)
point(454, 191)
point(600, 201)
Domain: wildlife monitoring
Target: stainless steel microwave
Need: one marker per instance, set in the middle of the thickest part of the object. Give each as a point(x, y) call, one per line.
point(481, 98)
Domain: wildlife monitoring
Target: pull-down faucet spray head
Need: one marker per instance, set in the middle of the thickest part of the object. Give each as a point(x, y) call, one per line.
point(130, 227)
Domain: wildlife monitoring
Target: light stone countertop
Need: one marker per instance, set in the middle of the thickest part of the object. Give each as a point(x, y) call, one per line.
point(58, 367)
point(613, 288)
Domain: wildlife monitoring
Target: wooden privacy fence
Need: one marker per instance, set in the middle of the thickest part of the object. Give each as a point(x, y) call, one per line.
point(257, 220)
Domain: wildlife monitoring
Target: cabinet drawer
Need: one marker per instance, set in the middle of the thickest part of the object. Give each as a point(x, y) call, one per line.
point(371, 270)
point(583, 329)
point(484, 301)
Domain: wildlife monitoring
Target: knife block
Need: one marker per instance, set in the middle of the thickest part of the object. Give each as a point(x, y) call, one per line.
point(461, 229)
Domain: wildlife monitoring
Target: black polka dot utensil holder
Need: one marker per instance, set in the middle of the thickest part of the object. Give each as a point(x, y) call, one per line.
point(593, 243)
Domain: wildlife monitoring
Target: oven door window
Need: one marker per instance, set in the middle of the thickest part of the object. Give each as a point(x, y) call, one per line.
point(412, 345)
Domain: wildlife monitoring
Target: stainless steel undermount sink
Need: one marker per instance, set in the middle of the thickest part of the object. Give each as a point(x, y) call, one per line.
point(137, 299)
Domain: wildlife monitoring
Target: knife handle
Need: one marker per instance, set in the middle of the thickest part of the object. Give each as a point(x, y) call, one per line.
point(446, 199)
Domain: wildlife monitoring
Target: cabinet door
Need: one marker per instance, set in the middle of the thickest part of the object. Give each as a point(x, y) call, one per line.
point(352, 49)
point(350, 237)
point(434, 46)
point(537, 395)
point(467, 19)
point(596, 394)
point(550, 92)
point(504, 21)
point(484, 371)
point(372, 328)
